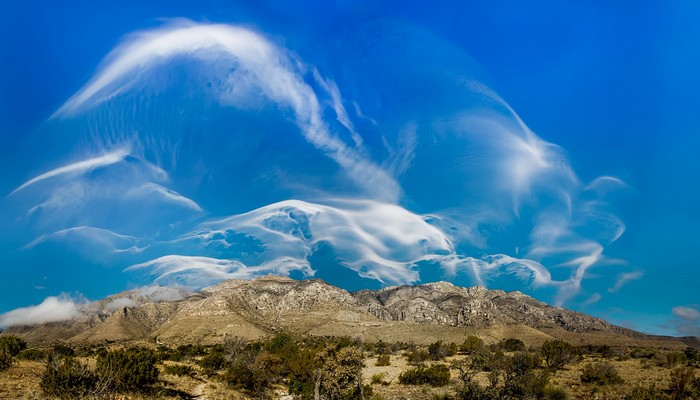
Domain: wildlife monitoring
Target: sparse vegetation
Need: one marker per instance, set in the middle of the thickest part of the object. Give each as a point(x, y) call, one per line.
point(332, 369)
point(434, 375)
point(601, 374)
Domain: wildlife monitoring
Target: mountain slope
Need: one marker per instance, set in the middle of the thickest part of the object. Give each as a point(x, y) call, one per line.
point(259, 307)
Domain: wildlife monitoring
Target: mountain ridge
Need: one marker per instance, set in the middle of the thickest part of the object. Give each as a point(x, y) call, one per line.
point(259, 307)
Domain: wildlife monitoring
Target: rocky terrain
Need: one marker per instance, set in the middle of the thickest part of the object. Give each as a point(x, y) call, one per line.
point(256, 308)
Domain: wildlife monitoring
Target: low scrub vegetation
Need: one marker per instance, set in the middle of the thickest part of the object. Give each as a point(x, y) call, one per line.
point(332, 368)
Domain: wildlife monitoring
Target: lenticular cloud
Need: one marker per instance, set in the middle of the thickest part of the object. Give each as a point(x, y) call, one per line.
point(204, 152)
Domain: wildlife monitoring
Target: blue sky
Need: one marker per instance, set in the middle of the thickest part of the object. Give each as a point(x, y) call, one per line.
point(549, 149)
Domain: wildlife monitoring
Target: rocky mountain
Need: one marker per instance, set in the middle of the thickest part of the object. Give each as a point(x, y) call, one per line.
point(259, 307)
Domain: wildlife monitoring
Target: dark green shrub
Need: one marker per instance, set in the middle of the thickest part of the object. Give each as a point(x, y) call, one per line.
point(417, 355)
point(132, 370)
point(63, 350)
point(513, 345)
point(383, 361)
point(12, 344)
point(439, 350)
point(640, 352)
point(179, 370)
point(435, 375)
point(256, 376)
point(600, 374)
point(471, 345)
point(472, 390)
point(67, 378)
point(189, 351)
point(557, 353)
point(5, 359)
point(212, 362)
point(32, 355)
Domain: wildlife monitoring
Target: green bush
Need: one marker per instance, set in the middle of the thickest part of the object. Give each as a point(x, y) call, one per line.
point(67, 378)
point(132, 370)
point(471, 345)
point(600, 374)
point(32, 355)
point(513, 345)
point(557, 353)
point(5, 359)
point(254, 376)
point(63, 350)
point(435, 375)
point(383, 361)
point(439, 350)
point(213, 362)
point(640, 352)
point(179, 370)
point(12, 344)
point(417, 355)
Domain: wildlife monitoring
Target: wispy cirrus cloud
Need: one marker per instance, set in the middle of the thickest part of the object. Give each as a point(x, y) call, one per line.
point(688, 320)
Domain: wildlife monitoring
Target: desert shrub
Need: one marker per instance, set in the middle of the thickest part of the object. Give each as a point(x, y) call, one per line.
point(189, 351)
point(378, 379)
point(692, 354)
point(132, 370)
point(340, 372)
point(471, 345)
point(382, 347)
point(439, 350)
point(233, 346)
point(472, 390)
point(600, 374)
point(640, 352)
point(5, 359)
point(434, 375)
point(254, 374)
point(63, 350)
point(555, 393)
point(67, 378)
point(512, 345)
point(417, 355)
point(646, 393)
point(32, 354)
point(520, 379)
point(683, 384)
point(557, 353)
point(12, 344)
point(672, 359)
point(383, 361)
point(213, 361)
point(179, 370)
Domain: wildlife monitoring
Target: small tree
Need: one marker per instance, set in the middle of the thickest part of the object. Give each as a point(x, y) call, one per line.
point(12, 344)
point(339, 375)
point(471, 344)
point(557, 353)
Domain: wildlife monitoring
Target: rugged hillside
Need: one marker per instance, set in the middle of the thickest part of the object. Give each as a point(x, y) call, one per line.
point(255, 308)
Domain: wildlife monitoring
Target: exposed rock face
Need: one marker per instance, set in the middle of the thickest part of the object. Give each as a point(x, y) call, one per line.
point(258, 307)
point(444, 303)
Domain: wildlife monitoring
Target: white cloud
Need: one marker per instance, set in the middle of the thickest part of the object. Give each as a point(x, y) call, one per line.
point(165, 194)
point(79, 167)
point(52, 309)
point(686, 313)
point(257, 63)
point(625, 278)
